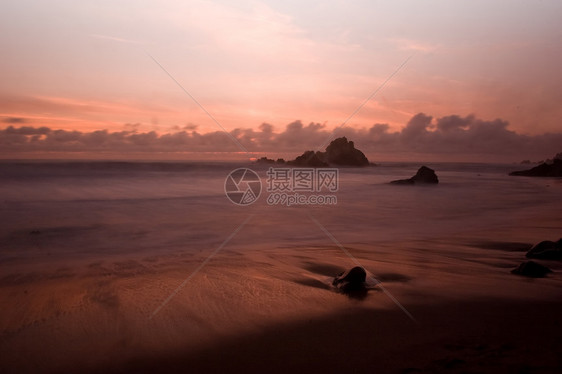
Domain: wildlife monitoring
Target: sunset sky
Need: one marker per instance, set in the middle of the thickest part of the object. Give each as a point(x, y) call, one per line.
point(84, 66)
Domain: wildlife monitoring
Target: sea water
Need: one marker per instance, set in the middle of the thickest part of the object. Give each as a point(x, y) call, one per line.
point(68, 210)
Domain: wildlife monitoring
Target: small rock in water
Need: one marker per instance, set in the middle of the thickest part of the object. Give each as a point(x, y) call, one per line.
point(531, 269)
point(424, 175)
point(351, 280)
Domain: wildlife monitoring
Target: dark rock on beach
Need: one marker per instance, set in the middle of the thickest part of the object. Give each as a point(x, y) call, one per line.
point(550, 168)
point(424, 175)
point(350, 281)
point(531, 269)
point(546, 250)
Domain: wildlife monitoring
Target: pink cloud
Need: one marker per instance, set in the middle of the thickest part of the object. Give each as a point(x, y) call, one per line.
point(446, 137)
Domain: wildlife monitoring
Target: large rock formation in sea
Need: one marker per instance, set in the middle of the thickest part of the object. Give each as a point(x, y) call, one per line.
point(340, 152)
point(549, 168)
point(311, 159)
point(424, 175)
point(546, 250)
point(343, 152)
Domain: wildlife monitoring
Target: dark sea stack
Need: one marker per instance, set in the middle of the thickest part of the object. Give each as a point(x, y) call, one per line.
point(546, 250)
point(340, 152)
point(310, 159)
point(531, 269)
point(343, 152)
point(551, 168)
point(351, 280)
point(424, 175)
point(265, 160)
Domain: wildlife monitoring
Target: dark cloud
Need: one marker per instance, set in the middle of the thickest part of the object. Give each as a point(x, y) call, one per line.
point(27, 130)
point(135, 126)
point(416, 127)
point(14, 120)
point(447, 136)
point(454, 122)
point(190, 127)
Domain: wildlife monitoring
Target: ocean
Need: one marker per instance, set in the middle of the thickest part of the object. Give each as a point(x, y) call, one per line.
point(105, 208)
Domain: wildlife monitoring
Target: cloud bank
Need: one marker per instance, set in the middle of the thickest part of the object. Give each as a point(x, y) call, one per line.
point(446, 137)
